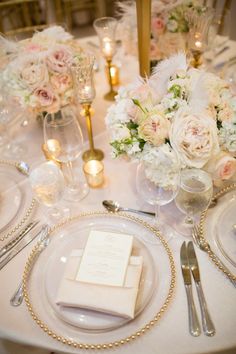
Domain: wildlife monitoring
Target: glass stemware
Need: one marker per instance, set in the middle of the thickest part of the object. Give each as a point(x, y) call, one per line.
point(194, 196)
point(48, 185)
point(199, 24)
point(64, 140)
point(82, 71)
point(158, 192)
point(11, 114)
point(106, 31)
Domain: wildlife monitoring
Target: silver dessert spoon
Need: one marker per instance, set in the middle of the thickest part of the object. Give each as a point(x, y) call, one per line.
point(114, 207)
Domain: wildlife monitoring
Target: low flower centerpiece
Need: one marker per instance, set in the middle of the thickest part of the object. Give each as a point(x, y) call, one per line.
point(179, 111)
point(37, 72)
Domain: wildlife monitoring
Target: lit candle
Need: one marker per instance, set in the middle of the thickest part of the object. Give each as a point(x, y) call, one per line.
point(93, 171)
point(108, 47)
point(114, 70)
point(198, 45)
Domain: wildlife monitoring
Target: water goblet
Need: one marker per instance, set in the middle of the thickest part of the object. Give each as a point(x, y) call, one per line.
point(159, 191)
point(82, 72)
point(106, 30)
point(64, 141)
point(48, 185)
point(194, 196)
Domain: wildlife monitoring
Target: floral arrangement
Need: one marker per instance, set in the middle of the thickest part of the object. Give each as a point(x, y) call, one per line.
point(179, 112)
point(169, 24)
point(37, 70)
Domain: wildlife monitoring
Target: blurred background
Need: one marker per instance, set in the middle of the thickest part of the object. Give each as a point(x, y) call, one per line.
point(19, 18)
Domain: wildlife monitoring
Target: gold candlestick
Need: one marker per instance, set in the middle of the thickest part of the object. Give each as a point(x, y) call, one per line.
point(92, 153)
point(112, 93)
point(144, 33)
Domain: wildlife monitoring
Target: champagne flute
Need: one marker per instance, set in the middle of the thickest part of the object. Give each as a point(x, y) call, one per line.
point(194, 196)
point(158, 192)
point(64, 140)
point(48, 186)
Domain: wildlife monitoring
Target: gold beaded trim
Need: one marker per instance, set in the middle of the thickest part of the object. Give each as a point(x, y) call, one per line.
point(210, 253)
point(28, 211)
point(36, 250)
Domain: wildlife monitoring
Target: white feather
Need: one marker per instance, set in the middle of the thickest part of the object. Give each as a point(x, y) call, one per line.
point(7, 46)
point(198, 100)
point(165, 69)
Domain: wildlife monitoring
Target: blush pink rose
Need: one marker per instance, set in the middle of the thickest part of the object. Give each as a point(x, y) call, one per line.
point(222, 167)
point(157, 25)
point(61, 82)
point(46, 100)
point(59, 59)
point(154, 128)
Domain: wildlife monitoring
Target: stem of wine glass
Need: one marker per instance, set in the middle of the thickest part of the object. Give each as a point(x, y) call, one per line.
point(189, 220)
point(70, 175)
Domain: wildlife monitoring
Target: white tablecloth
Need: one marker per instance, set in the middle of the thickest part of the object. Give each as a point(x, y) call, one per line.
point(171, 335)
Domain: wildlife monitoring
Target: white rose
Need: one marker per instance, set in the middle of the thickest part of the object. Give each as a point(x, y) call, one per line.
point(119, 132)
point(222, 167)
point(194, 138)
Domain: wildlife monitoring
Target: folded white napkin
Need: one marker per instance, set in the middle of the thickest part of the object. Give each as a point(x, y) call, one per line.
point(113, 300)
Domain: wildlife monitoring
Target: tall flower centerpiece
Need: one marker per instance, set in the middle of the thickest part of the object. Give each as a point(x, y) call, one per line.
point(169, 25)
point(178, 111)
point(37, 72)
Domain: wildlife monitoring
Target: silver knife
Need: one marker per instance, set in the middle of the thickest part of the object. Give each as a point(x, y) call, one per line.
point(194, 326)
point(17, 238)
point(20, 246)
point(207, 324)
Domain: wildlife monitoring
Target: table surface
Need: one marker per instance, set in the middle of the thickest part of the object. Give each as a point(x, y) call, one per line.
point(170, 335)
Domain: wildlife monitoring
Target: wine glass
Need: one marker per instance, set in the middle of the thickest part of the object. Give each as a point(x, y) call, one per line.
point(64, 141)
point(194, 196)
point(158, 191)
point(10, 115)
point(48, 186)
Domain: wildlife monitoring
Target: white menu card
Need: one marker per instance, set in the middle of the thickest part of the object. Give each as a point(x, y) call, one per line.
point(105, 258)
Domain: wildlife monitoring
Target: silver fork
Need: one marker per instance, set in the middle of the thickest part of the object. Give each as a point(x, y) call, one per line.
point(204, 246)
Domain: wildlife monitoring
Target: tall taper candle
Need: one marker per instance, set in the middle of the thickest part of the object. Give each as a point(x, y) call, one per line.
point(144, 32)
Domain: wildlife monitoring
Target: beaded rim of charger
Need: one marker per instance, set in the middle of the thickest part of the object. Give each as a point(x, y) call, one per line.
point(202, 232)
point(149, 325)
point(28, 212)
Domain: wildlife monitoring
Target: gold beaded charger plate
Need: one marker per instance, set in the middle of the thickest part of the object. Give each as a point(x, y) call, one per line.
point(44, 270)
point(15, 202)
point(217, 225)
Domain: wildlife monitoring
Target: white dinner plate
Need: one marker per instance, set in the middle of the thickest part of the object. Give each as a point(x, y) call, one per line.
point(219, 229)
point(85, 325)
point(11, 198)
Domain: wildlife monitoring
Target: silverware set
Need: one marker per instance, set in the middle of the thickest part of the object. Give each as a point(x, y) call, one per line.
point(190, 268)
point(19, 242)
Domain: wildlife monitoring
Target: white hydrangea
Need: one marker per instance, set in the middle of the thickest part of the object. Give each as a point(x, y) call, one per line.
point(227, 136)
point(162, 165)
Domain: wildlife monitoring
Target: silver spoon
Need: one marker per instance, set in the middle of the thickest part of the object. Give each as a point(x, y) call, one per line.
point(114, 207)
point(17, 298)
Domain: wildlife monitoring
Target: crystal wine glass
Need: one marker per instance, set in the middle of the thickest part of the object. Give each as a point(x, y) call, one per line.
point(106, 31)
point(10, 115)
point(64, 140)
point(48, 185)
point(158, 191)
point(194, 196)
